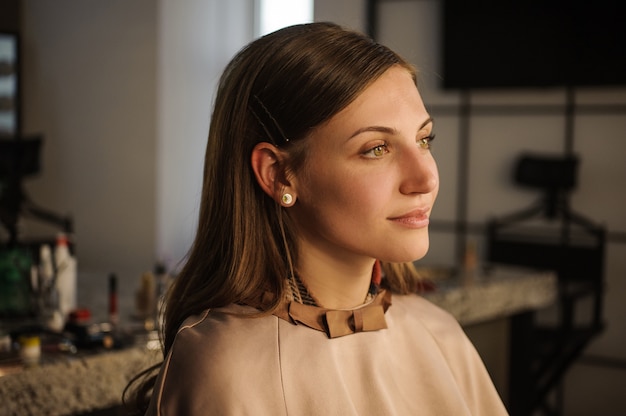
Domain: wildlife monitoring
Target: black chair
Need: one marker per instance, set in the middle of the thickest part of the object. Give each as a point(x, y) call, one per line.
point(549, 235)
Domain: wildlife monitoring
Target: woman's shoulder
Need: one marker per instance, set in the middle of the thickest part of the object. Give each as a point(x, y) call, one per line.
point(215, 329)
point(418, 316)
point(416, 307)
point(218, 338)
point(415, 314)
point(216, 355)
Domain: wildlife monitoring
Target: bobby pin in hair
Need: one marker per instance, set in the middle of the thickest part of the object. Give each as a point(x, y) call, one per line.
point(271, 118)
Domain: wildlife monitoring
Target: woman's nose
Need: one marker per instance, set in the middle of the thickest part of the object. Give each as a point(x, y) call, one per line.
point(419, 172)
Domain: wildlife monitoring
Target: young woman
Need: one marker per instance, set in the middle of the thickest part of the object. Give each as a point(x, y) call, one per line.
point(299, 296)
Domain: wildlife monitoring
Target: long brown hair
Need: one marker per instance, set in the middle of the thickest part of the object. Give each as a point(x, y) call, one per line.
point(277, 89)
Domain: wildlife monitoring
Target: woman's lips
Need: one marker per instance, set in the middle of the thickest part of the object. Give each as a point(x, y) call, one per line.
point(414, 219)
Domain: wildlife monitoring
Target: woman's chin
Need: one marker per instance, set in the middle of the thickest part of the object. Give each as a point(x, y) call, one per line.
point(411, 254)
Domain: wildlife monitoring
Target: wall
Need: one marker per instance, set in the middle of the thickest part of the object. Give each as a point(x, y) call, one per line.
point(122, 93)
point(196, 40)
point(349, 13)
point(90, 89)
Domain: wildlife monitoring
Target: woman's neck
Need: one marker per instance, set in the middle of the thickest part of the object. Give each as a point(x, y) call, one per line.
point(334, 283)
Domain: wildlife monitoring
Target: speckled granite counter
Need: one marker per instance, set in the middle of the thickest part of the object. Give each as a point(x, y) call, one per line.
point(77, 385)
point(500, 293)
point(73, 385)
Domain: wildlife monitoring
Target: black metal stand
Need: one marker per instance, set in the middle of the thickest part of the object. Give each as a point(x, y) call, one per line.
point(542, 353)
point(20, 158)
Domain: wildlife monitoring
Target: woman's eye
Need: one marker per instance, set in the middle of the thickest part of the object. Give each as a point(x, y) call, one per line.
point(425, 143)
point(377, 151)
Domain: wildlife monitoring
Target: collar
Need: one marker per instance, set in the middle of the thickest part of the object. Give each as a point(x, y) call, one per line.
point(338, 322)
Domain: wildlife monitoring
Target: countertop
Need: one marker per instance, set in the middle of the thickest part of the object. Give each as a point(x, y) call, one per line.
point(497, 293)
point(74, 384)
point(79, 384)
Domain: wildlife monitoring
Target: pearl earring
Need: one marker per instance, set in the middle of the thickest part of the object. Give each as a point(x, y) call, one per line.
point(287, 199)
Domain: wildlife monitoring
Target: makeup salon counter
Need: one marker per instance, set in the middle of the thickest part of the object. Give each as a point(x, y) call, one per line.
point(80, 384)
point(494, 294)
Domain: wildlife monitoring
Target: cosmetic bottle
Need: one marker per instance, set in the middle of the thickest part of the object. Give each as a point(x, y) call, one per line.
point(65, 276)
point(48, 295)
point(145, 300)
point(30, 349)
point(113, 304)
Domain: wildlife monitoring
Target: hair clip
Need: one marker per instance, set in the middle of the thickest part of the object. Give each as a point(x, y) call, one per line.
point(271, 118)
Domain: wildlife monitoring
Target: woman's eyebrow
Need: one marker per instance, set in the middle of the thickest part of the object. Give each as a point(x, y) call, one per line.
point(380, 129)
point(387, 130)
point(428, 121)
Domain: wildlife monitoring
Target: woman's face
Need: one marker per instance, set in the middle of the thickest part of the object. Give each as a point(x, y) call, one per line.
point(370, 180)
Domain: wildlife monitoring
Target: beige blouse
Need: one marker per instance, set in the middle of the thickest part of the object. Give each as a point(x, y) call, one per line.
point(421, 364)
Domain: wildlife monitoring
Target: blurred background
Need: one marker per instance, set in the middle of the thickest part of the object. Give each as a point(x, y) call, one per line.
point(120, 93)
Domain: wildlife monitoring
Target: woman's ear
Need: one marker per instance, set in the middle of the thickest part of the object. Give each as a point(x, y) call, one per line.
point(267, 164)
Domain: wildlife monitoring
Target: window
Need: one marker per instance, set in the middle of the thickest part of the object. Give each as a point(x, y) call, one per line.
point(274, 14)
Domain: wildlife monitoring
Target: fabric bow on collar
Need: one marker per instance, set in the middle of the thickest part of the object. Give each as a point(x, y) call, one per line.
point(339, 322)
